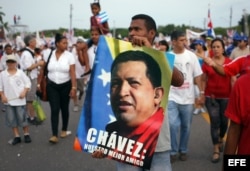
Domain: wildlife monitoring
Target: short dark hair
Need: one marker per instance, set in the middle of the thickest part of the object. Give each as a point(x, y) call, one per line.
point(59, 37)
point(176, 34)
point(153, 71)
point(95, 4)
point(7, 46)
point(149, 21)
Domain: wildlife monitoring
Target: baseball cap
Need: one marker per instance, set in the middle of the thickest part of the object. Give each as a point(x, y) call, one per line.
point(244, 38)
point(209, 37)
point(200, 42)
point(80, 39)
point(11, 58)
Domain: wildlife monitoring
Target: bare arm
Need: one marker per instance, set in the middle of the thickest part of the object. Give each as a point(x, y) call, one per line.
point(82, 54)
point(73, 81)
point(233, 137)
point(217, 67)
point(198, 80)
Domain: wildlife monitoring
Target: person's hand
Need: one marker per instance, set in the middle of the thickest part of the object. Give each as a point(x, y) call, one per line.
point(201, 99)
point(140, 41)
point(38, 87)
point(99, 154)
point(209, 61)
point(22, 95)
point(85, 47)
point(72, 93)
point(4, 99)
point(41, 63)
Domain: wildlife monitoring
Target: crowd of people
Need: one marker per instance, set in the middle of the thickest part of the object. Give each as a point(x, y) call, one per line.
point(208, 76)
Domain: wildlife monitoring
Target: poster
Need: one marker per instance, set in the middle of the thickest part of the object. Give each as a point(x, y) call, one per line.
point(97, 124)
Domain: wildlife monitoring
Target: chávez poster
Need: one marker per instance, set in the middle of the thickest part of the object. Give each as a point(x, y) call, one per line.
point(102, 128)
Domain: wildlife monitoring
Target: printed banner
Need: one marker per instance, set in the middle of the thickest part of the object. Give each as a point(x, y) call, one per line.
point(124, 109)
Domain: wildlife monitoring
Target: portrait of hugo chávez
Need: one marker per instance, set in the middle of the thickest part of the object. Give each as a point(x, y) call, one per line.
point(136, 93)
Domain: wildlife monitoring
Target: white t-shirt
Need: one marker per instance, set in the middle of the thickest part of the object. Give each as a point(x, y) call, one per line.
point(59, 70)
point(13, 85)
point(188, 64)
point(26, 61)
point(45, 53)
point(79, 67)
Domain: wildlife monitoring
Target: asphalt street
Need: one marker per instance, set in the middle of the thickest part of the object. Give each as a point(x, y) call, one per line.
point(40, 155)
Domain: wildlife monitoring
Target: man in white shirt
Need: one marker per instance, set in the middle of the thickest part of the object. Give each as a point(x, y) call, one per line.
point(181, 99)
point(29, 65)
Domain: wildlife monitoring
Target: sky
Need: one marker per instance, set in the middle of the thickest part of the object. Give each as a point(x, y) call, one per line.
point(54, 14)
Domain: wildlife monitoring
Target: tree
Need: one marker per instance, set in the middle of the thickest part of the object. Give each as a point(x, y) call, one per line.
point(4, 24)
point(242, 23)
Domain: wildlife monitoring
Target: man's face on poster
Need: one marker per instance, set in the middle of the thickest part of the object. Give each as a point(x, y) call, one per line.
point(132, 94)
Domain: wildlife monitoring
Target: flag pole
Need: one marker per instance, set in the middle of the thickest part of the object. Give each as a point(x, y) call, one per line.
point(230, 17)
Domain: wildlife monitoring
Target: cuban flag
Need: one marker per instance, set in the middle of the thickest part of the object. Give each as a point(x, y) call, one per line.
point(210, 29)
point(96, 112)
point(102, 17)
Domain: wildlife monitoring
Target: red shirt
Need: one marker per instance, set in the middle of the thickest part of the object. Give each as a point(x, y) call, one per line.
point(94, 23)
point(217, 85)
point(238, 110)
point(240, 65)
point(146, 133)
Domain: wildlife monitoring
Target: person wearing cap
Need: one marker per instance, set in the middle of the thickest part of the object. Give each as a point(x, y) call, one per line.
point(82, 47)
point(233, 44)
point(80, 53)
point(208, 44)
point(14, 85)
point(241, 49)
point(200, 52)
point(7, 51)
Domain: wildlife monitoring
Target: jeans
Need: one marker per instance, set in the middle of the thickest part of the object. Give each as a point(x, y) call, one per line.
point(180, 117)
point(160, 162)
point(216, 109)
point(58, 96)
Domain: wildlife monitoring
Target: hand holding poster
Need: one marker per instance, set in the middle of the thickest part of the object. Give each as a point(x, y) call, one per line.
point(125, 102)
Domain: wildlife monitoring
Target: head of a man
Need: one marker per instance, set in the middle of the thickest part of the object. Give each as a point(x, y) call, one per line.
point(142, 25)
point(8, 49)
point(179, 41)
point(30, 41)
point(136, 90)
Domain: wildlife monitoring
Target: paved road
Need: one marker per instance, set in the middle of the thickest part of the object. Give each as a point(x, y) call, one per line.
point(40, 155)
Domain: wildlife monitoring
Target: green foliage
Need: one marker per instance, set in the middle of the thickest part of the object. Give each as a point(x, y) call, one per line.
point(2, 23)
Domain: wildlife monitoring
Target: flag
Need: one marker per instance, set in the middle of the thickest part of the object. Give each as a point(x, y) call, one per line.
point(15, 22)
point(96, 112)
point(102, 17)
point(230, 33)
point(210, 29)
